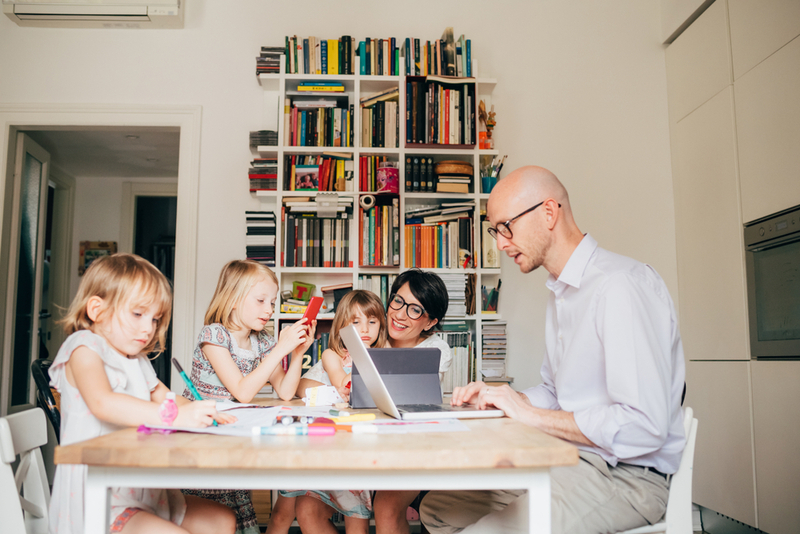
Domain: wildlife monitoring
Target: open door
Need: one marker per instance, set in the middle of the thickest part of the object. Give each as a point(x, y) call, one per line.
point(24, 317)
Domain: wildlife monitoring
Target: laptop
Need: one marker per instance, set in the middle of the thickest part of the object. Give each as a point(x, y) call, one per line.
point(383, 400)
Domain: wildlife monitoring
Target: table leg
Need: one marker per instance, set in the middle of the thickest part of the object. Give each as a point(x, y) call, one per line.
point(96, 505)
point(539, 505)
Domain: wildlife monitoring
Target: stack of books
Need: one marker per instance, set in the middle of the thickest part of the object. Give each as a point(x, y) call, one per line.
point(440, 245)
point(318, 122)
point(260, 239)
point(330, 171)
point(493, 352)
point(333, 294)
point(263, 174)
point(313, 242)
point(380, 233)
point(462, 350)
point(312, 55)
point(380, 119)
point(445, 57)
point(380, 284)
point(440, 111)
point(263, 138)
point(456, 284)
point(445, 211)
point(269, 61)
point(379, 57)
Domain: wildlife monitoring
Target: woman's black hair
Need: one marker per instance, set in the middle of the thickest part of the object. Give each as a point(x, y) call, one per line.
point(429, 290)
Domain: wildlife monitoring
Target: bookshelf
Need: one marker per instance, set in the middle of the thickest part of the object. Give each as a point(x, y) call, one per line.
point(277, 87)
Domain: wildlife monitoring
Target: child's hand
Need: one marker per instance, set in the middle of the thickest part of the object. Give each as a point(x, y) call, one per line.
point(311, 330)
point(224, 418)
point(290, 338)
point(344, 393)
point(196, 414)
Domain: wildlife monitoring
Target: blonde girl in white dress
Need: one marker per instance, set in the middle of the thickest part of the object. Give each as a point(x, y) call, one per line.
point(120, 314)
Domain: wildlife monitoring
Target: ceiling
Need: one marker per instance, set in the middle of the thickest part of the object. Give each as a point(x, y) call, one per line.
point(121, 152)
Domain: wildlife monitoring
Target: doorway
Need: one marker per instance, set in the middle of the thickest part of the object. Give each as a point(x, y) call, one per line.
point(148, 228)
point(15, 118)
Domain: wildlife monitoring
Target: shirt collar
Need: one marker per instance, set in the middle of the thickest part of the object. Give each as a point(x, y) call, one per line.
point(576, 264)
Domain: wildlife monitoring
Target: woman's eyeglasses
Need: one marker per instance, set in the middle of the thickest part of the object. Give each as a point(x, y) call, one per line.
point(414, 311)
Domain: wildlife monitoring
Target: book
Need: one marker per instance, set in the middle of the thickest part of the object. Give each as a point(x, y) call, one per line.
point(451, 188)
point(333, 56)
point(321, 88)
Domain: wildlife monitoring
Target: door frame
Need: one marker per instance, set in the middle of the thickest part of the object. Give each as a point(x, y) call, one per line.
point(15, 117)
point(11, 236)
point(60, 268)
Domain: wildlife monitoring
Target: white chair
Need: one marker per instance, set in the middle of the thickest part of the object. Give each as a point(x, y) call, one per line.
point(23, 433)
point(678, 519)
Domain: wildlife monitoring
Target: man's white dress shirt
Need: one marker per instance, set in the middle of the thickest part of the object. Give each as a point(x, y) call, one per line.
point(613, 357)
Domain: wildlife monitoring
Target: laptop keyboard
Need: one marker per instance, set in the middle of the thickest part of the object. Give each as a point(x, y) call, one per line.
point(432, 408)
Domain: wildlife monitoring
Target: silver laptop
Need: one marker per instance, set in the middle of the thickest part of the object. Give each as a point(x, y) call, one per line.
point(383, 400)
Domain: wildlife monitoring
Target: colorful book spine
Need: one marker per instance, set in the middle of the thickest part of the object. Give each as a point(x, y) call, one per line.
point(324, 56)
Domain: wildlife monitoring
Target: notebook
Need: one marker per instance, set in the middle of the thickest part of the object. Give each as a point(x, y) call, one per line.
point(383, 400)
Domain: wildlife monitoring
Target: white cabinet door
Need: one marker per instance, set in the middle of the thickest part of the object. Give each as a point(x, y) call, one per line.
point(698, 62)
point(768, 128)
point(708, 231)
point(776, 416)
point(760, 28)
point(723, 459)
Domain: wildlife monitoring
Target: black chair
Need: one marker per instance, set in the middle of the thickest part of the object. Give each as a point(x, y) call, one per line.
point(45, 397)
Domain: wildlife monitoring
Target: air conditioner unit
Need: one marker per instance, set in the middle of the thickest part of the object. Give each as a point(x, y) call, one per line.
point(147, 14)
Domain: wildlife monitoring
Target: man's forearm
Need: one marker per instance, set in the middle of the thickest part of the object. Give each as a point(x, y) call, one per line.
point(557, 423)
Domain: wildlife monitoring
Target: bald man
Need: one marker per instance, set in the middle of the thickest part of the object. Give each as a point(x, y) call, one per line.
point(612, 376)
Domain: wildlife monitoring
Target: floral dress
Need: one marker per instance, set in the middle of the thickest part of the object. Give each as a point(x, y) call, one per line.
point(352, 503)
point(209, 386)
point(131, 376)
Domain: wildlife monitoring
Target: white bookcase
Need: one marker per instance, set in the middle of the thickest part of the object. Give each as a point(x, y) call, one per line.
point(275, 87)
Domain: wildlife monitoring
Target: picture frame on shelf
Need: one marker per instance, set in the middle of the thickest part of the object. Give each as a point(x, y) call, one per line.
point(91, 250)
point(306, 178)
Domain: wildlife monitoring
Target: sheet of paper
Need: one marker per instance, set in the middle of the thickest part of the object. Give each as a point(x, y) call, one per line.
point(247, 418)
point(418, 427)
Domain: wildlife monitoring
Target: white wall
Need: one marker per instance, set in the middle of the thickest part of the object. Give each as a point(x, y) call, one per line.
point(97, 213)
point(582, 91)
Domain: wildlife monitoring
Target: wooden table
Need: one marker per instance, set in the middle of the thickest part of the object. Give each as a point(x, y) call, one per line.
point(496, 454)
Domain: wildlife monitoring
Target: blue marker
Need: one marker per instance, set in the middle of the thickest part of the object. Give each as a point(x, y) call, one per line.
point(192, 389)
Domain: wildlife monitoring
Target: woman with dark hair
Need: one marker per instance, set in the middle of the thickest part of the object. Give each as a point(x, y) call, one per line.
point(417, 305)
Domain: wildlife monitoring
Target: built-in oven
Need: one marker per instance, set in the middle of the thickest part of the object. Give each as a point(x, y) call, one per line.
point(773, 285)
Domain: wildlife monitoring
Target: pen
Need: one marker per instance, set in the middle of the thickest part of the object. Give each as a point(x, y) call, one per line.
point(355, 418)
point(339, 413)
point(294, 430)
point(192, 389)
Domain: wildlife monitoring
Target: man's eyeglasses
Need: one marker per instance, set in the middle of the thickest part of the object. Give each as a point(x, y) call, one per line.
point(414, 311)
point(504, 228)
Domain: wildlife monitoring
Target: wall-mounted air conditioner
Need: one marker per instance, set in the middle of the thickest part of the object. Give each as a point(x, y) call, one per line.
point(96, 13)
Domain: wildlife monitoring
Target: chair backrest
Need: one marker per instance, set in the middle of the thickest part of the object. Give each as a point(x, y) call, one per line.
point(44, 394)
point(679, 506)
point(22, 434)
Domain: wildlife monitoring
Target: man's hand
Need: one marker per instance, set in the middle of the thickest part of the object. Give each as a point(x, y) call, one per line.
point(467, 394)
point(514, 404)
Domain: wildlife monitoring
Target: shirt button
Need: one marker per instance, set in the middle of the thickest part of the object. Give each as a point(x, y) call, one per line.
point(559, 336)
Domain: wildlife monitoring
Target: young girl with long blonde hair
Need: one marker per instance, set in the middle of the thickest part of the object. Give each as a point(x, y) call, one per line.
point(235, 357)
point(120, 314)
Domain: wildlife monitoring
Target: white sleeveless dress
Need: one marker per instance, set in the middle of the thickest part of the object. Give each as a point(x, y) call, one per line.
point(131, 376)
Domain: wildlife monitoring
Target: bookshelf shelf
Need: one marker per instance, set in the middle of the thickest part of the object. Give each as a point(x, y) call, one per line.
point(281, 88)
